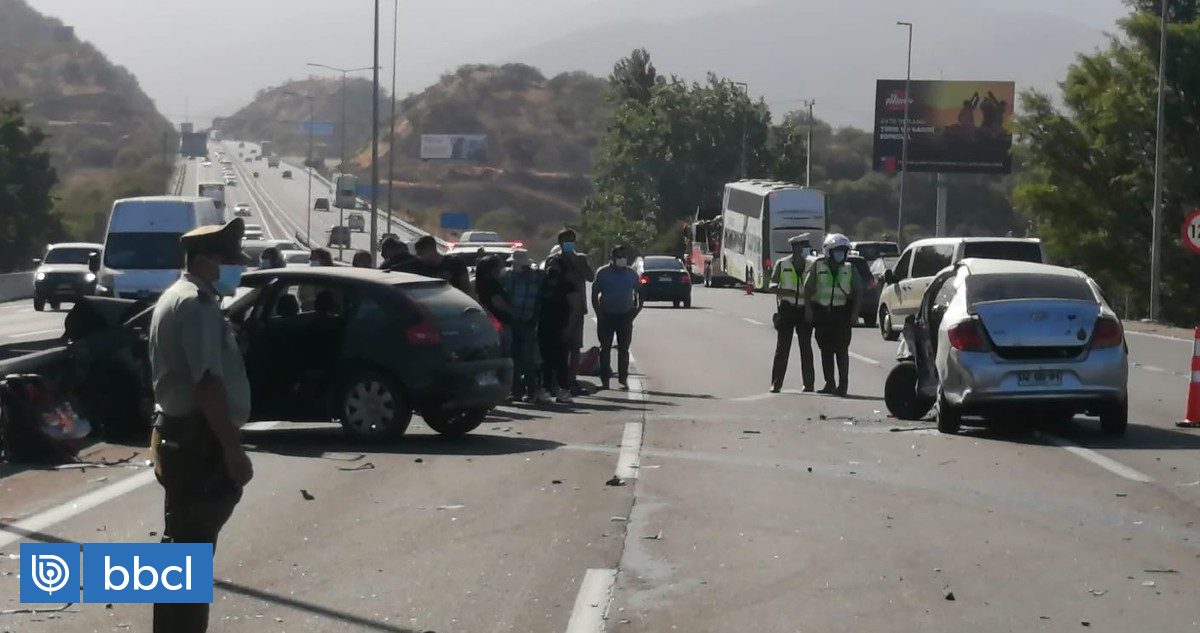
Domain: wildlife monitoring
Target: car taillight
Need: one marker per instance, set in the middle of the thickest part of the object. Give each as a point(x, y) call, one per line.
point(1109, 333)
point(685, 278)
point(496, 324)
point(423, 333)
point(966, 337)
point(644, 280)
point(518, 244)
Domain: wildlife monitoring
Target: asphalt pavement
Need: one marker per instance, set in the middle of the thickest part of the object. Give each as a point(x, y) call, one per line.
point(740, 509)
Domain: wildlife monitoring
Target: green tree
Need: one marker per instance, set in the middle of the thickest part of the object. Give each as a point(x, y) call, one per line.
point(26, 180)
point(1088, 185)
point(633, 78)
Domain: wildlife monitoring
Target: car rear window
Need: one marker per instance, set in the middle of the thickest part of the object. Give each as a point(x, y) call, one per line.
point(1003, 287)
point(662, 263)
point(1013, 251)
point(438, 298)
point(875, 250)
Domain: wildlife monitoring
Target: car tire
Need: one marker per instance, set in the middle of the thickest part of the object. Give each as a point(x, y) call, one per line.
point(1114, 418)
point(687, 303)
point(455, 423)
point(949, 418)
point(675, 303)
point(39, 304)
point(900, 393)
point(885, 325)
point(372, 406)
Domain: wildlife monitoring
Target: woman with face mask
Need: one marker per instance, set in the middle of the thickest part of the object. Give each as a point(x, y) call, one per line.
point(833, 292)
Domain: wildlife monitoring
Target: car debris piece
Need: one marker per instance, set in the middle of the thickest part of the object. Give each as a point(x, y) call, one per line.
point(452, 506)
point(615, 481)
point(307, 495)
point(949, 594)
point(362, 466)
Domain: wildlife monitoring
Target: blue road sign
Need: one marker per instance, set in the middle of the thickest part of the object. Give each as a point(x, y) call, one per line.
point(456, 221)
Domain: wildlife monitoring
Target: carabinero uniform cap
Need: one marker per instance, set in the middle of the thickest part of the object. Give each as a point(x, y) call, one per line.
point(223, 239)
point(801, 239)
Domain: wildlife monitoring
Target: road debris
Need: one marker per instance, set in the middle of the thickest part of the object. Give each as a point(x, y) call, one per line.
point(1122, 494)
point(1161, 571)
point(451, 506)
point(654, 537)
point(615, 481)
point(419, 460)
point(1148, 583)
point(343, 457)
point(307, 495)
point(35, 611)
point(97, 480)
point(618, 519)
point(750, 432)
point(948, 594)
point(362, 466)
point(1097, 592)
point(556, 482)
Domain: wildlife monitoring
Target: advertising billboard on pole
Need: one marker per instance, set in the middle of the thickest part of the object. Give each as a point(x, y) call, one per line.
point(960, 127)
point(454, 147)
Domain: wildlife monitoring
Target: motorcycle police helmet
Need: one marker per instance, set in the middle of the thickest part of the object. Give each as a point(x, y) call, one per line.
point(836, 240)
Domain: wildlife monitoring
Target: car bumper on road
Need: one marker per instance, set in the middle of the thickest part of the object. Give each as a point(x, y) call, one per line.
point(666, 293)
point(979, 379)
point(469, 385)
point(63, 291)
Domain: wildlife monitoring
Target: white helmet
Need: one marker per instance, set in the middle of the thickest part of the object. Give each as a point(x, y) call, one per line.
point(836, 240)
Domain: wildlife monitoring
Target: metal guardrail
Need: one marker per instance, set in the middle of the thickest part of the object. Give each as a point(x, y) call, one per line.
point(180, 178)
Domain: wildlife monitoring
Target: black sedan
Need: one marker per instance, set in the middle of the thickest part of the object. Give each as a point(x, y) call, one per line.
point(663, 278)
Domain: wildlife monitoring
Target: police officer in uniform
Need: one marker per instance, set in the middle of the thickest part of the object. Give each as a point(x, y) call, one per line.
point(833, 292)
point(790, 313)
point(202, 397)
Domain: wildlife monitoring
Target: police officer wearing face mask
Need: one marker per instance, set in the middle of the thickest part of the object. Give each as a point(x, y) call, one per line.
point(833, 292)
point(790, 314)
point(202, 398)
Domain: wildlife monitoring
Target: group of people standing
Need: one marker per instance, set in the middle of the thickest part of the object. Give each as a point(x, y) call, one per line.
point(818, 297)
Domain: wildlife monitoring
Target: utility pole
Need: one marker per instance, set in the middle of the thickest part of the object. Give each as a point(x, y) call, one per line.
point(375, 143)
point(1156, 212)
point(904, 140)
point(809, 148)
point(745, 91)
point(392, 127)
point(346, 71)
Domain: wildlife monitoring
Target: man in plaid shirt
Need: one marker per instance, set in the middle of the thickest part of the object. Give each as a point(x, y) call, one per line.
point(523, 285)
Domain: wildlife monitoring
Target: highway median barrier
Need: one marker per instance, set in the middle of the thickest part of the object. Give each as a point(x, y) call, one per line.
point(15, 286)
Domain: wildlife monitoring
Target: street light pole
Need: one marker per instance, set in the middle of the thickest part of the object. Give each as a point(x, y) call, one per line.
point(745, 91)
point(346, 71)
point(904, 141)
point(392, 127)
point(809, 149)
point(1156, 212)
point(307, 161)
point(375, 142)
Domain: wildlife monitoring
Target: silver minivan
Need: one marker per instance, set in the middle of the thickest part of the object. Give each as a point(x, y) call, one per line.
point(905, 285)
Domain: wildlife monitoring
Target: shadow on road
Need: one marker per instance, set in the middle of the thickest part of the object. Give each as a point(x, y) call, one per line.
point(316, 442)
point(358, 622)
point(1085, 432)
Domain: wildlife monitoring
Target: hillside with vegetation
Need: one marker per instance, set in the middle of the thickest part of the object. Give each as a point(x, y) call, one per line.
point(104, 136)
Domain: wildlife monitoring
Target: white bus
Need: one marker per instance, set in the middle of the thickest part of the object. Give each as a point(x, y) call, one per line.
point(759, 217)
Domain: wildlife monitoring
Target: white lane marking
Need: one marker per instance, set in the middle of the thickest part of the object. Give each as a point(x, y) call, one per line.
point(629, 458)
point(1163, 337)
point(866, 359)
point(591, 603)
point(1107, 463)
point(1157, 370)
point(756, 397)
point(78, 505)
point(752, 321)
point(36, 333)
point(260, 426)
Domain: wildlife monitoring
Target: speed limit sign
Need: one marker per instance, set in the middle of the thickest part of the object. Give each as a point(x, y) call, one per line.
point(1191, 231)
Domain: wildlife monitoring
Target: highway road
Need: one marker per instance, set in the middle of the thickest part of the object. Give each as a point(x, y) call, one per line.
point(741, 509)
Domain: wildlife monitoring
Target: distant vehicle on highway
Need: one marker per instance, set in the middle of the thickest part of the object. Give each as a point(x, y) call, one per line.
point(230, 181)
point(321, 204)
point(253, 232)
point(924, 259)
point(287, 174)
point(255, 174)
point(664, 278)
point(272, 161)
point(142, 255)
point(242, 209)
point(356, 222)
point(1014, 339)
point(248, 159)
point(206, 163)
point(759, 217)
point(874, 250)
point(339, 237)
point(241, 144)
point(65, 273)
point(473, 237)
point(215, 191)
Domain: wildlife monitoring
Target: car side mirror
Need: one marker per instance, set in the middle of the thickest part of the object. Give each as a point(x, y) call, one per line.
point(37, 261)
point(889, 277)
point(94, 262)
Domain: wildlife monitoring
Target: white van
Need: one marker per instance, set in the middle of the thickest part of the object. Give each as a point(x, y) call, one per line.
point(142, 254)
point(924, 259)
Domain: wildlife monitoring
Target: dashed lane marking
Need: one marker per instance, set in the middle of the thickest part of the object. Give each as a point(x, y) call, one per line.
point(34, 333)
point(42, 520)
point(628, 460)
point(752, 321)
point(1162, 337)
point(1107, 463)
point(756, 397)
point(591, 603)
point(866, 359)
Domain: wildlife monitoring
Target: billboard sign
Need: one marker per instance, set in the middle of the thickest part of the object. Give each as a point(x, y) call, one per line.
point(318, 128)
point(456, 221)
point(454, 147)
point(954, 126)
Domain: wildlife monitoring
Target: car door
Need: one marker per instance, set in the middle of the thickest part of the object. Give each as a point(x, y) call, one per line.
point(928, 261)
point(893, 294)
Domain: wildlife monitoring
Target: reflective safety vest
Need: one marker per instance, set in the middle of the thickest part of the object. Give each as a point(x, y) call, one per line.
point(830, 292)
point(791, 290)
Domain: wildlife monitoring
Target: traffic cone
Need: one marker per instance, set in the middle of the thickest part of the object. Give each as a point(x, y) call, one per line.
point(1192, 420)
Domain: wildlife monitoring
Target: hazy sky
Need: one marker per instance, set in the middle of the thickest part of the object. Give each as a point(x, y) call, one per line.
point(210, 57)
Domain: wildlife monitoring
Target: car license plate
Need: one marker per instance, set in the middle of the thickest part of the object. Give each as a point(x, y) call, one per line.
point(489, 379)
point(664, 278)
point(1039, 378)
point(65, 287)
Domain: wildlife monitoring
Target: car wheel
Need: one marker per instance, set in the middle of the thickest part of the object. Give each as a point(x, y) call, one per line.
point(949, 418)
point(675, 303)
point(39, 304)
point(455, 423)
point(687, 303)
point(373, 407)
point(1114, 418)
point(885, 325)
point(900, 393)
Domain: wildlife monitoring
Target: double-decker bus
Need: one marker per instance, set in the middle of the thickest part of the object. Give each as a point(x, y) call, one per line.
point(758, 219)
